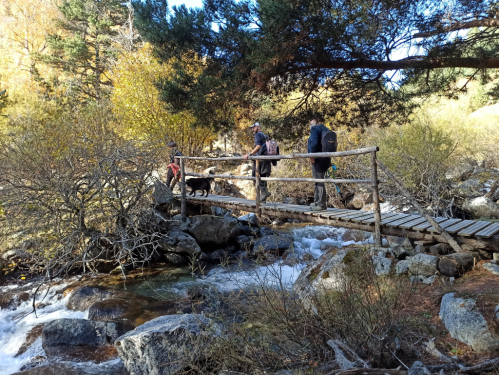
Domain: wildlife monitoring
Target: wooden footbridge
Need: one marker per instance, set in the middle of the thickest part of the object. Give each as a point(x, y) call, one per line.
point(460, 234)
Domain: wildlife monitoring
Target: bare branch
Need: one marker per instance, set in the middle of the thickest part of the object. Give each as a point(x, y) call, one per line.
point(488, 22)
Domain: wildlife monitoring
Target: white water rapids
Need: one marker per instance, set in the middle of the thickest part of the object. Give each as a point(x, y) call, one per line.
point(13, 330)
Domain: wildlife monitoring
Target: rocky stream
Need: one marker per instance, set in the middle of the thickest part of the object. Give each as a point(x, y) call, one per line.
point(109, 324)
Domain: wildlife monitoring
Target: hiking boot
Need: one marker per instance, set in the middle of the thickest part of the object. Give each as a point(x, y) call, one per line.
point(264, 195)
point(317, 207)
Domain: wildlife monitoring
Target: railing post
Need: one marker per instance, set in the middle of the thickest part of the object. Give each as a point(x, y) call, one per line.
point(183, 203)
point(377, 211)
point(257, 187)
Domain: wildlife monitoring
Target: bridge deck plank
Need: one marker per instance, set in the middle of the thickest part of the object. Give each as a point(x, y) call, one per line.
point(481, 229)
point(342, 214)
point(424, 225)
point(352, 215)
point(410, 224)
point(403, 220)
point(460, 226)
point(445, 224)
point(359, 219)
point(383, 217)
point(489, 231)
point(475, 228)
point(393, 218)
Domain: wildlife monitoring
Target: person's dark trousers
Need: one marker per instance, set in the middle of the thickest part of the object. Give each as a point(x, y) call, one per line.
point(263, 184)
point(169, 177)
point(320, 187)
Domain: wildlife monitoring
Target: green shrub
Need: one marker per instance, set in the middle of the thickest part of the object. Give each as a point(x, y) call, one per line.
point(419, 154)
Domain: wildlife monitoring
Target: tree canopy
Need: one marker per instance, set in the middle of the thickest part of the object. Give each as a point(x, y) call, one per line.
point(349, 48)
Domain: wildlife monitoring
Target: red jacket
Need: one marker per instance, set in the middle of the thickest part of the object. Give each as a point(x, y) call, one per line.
point(174, 168)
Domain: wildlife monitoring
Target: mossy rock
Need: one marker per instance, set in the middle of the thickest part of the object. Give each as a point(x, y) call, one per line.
point(486, 176)
point(351, 256)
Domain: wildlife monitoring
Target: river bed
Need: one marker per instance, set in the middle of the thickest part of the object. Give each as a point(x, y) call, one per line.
point(16, 323)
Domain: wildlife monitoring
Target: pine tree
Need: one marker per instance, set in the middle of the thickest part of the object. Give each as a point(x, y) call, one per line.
point(351, 49)
point(83, 48)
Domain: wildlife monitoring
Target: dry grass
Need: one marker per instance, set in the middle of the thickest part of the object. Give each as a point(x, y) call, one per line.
point(268, 329)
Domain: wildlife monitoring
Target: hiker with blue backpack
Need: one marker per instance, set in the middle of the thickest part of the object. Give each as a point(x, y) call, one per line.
point(263, 146)
point(321, 139)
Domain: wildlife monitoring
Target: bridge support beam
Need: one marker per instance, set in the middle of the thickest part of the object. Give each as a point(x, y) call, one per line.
point(377, 210)
point(183, 188)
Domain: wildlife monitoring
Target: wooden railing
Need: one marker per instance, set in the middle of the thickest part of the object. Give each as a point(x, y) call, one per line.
point(373, 180)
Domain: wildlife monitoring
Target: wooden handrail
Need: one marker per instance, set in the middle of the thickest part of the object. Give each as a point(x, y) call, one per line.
point(374, 177)
point(359, 151)
point(284, 179)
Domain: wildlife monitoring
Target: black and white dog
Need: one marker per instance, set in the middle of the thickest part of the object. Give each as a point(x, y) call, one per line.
point(202, 184)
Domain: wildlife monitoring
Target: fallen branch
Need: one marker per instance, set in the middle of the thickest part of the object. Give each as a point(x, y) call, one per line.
point(342, 360)
point(491, 365)
point(432, 349)
point(369, 371)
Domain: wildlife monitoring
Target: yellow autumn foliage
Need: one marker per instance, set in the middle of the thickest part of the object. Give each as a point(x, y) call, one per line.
point(140, 111)
point(24, 25)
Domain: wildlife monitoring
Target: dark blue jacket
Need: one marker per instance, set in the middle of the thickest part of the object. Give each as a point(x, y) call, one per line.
point(315, 139)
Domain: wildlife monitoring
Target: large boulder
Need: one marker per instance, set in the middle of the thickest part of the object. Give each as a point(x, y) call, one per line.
point(244, 242)
point(114, 309)
point(166, 345)
point(219, 211)
point(360, 200)
point(324, 274)
point(381, 264)
point(440, 249)
point(13, 299)
point(400, 241)
point(215, 230)
point(402, 267)
point(454, 265)
point(115, 367)
point(272, 243)
point(465, 322)
point(482, 207)
point(423, 265)
point(81, 339)
point(162, 193)
point(179, 242)
point(218, 256)
point(493, 268)
point(469, 188)
point(82, 298)
point(249, 219)
point(176, 259)
point(460, 171)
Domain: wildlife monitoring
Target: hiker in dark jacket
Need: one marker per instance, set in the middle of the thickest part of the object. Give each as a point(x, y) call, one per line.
point(319, 165)
point(173, 167)
point(265, 165)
